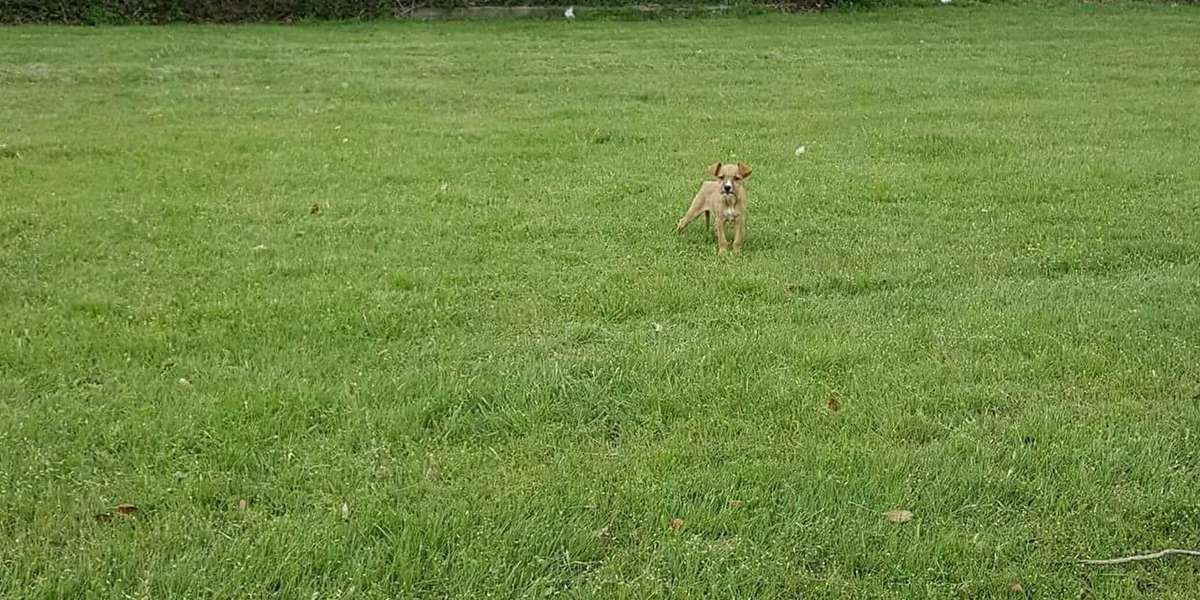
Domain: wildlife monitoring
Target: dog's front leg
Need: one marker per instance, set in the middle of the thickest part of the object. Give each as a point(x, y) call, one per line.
point(722, 245)
point(739, 230)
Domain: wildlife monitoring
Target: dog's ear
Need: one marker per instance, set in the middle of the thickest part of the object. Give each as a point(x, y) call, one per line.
point(714, 169)
point(743, 170)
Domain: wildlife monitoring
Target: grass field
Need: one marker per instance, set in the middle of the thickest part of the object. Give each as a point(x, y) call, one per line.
point(485, 366)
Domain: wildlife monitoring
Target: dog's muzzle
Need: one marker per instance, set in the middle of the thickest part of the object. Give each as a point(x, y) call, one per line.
point(727, 190)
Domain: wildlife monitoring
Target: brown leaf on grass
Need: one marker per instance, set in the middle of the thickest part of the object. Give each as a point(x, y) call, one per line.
point(834, 404)
point(243, 504)
point(1016, 586)
point(127, 509)
point(314, 209)
point(676, 524)
point(898, 516)
point(736, 504)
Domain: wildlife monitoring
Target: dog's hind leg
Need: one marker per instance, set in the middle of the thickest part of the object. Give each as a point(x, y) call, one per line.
point(693, 211)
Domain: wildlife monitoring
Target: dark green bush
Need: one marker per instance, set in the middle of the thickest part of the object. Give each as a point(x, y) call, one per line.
point(232, 11)
point(160, 11)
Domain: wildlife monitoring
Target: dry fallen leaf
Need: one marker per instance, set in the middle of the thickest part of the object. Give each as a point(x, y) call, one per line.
point(736, 504)
point(1016, 586)
point(314, 209)
point(676, 524)
point(898, 516)
point(834, 404)
point(242, 504)
point(127, 509)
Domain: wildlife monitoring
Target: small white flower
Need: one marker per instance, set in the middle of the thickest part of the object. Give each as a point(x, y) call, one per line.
point(570, 12)
point(800, 150)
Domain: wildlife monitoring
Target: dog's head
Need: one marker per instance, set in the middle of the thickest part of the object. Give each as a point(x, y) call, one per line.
point(730, 176)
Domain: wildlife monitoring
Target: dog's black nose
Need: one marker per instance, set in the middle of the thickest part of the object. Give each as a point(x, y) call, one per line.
point(728, 189)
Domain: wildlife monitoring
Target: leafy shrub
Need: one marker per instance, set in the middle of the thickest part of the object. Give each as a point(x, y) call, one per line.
point(230, 11)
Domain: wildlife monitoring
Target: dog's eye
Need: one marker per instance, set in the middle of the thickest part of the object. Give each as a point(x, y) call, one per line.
point(737, 178)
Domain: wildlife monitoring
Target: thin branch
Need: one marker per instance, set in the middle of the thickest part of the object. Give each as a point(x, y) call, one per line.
point(1129, 559)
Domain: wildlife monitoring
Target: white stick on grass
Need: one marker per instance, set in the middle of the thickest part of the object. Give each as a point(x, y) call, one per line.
point(1136, 557)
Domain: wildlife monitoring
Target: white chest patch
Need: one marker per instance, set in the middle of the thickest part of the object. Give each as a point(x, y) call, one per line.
point(729, 214)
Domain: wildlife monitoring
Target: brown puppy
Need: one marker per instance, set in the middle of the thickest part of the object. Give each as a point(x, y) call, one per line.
point(724, 196)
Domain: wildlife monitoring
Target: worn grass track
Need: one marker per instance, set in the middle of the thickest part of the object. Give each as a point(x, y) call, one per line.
point(485, 366)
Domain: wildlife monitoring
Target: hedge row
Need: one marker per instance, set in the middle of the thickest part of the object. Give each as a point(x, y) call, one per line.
point(233, 11)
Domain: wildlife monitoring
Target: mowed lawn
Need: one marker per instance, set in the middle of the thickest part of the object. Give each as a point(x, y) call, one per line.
point(397, 309)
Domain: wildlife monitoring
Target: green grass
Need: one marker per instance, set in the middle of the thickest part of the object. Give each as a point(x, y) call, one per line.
point(491, 348)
